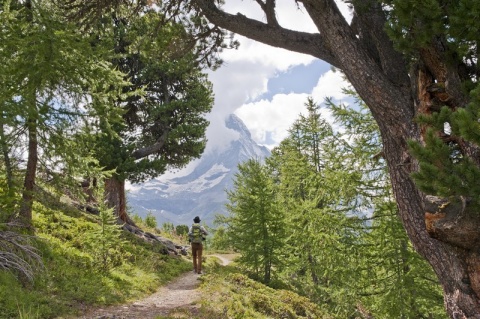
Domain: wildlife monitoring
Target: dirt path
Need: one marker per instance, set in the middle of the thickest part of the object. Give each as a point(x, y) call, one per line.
point(180, 293)
point(225, 259)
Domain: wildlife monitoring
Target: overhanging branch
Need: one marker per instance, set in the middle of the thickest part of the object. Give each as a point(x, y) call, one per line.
point(151, 149)
point(302, 42)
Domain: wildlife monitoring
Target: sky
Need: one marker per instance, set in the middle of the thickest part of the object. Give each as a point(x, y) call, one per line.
point(268, 87)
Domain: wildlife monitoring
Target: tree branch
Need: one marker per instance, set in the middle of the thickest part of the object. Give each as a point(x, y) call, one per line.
point(370, 23)
point(296, 41)
point(151, 149)
point(269, 8)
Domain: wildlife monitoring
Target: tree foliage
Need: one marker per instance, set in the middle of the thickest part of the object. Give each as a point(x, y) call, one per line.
point(255, 224)
point(344, 246)
point(53, 81)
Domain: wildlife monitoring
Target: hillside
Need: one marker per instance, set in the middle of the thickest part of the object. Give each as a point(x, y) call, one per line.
point(79, 277)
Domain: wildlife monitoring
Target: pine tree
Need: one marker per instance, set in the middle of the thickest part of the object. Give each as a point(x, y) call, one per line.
point(163, 128)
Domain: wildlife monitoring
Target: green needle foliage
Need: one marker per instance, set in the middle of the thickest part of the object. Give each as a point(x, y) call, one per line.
point(455, 174)
point(255, 224)
point(105, 243)
point(53, 82)
point(343, 243)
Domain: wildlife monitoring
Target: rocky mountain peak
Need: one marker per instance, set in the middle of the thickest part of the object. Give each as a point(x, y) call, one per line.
point(202, 191)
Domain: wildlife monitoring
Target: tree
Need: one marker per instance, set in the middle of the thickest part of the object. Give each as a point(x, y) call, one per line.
point(220, 239)
point(181, 230)
point(255, 224)
point(317, 188)
point(53, 81)
point(163, 56)
point(404, 58)
point(391, 279)
point(345, 247)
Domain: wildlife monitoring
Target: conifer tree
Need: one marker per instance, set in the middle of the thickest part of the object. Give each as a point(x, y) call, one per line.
point(316, 192)
point(255, 224)
point(345, 244)
point(163, 54)
point(392, 280)
point(53, 81)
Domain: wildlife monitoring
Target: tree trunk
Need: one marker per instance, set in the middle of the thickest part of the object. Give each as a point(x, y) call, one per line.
point(385, 82)
point(25, 213)
point(116, 199)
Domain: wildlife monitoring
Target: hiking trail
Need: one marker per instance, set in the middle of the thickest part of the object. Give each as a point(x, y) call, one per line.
point(182, 293)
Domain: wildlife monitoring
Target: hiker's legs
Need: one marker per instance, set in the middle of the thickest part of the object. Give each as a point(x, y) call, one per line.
point(194, 255)
point(199, 255)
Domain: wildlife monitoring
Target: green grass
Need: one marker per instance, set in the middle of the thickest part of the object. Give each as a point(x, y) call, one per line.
point(226, 293)
point(71, 279)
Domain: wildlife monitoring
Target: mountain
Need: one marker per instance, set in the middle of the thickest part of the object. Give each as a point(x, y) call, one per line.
point(202, 191)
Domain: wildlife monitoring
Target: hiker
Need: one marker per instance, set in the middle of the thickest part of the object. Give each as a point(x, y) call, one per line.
point(196, 234)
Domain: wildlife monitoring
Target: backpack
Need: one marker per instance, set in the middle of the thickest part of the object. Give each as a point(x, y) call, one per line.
point(196, 235)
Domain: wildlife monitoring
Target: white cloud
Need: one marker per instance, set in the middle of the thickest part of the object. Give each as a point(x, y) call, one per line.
point(268, 121)
point(329, 84)
point(245, 74)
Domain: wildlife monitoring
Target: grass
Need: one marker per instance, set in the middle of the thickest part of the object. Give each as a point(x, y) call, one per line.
point(226, 293)
point(71, 280)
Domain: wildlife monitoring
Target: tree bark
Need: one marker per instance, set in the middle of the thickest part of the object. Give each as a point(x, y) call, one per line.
point(389, 87)
point(116, 199)
point(25, 214)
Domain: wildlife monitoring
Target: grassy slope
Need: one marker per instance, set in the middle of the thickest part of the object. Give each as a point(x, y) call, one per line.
point(226, 293)
point(71, 280)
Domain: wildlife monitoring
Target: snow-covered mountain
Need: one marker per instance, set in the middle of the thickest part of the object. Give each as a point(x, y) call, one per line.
point(202, 191)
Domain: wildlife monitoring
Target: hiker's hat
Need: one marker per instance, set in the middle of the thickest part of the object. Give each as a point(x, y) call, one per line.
point(196, 219)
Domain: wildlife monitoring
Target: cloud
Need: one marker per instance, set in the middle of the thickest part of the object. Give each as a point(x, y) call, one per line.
point(234, 84)
point(269, 120)
point(244, 78)
point(330, 84)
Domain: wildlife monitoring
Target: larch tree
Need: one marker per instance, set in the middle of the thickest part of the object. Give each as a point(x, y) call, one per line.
point(391, 279)
point(405, 58)
point(52, 82)
point(317, 192)
point(255, 224)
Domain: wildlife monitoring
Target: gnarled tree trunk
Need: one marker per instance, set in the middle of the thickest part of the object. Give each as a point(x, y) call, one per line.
point(395, 93)
point(116, 199)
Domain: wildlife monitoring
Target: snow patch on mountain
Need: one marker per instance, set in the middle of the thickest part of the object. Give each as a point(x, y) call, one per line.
point(178, 197)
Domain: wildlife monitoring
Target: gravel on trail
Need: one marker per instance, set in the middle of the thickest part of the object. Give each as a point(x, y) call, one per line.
point(181, 293)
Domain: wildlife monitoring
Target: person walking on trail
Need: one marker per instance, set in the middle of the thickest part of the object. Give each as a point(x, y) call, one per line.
point(196, 235)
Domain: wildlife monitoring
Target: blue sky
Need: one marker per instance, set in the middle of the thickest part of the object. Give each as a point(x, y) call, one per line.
point(298, 79)
point(267, 87)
